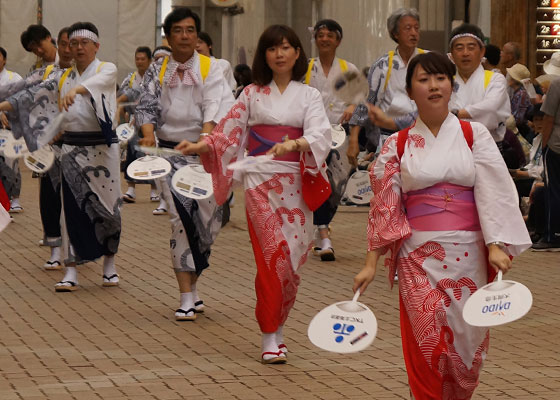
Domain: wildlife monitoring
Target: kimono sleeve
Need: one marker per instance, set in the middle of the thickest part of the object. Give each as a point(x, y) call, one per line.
point(495, 108)
point(101, 88)
point(387, 222)
point(495, 195)
point(216, 94)
point(35, 114)
point(227, 143)
point(148, 109)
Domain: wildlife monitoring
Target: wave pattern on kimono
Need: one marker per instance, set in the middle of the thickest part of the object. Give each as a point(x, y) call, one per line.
point(439, 270)
point(279, 217)
point(195, 224)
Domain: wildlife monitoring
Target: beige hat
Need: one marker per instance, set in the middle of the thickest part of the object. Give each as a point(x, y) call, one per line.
point(546, 78)
point(518, 72)
point(552, 66)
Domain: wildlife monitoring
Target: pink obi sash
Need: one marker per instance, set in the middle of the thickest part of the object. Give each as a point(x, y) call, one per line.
point(263, 137)
point(442, 207)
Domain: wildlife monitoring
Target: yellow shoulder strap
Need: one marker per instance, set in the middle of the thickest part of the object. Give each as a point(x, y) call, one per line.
point(132, 79)
point(163, 68)
point(204, 66)
point(48, 71)
point(62, 79)
point(391, 55)
point(343, 65)
point(38, 63)
point(487, 77)
point(308, 73)
point(99, 67)
point(420, 51)
point(10, 75)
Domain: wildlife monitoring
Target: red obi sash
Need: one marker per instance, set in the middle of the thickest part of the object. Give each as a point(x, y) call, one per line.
point(442, 207)
point(263, 137)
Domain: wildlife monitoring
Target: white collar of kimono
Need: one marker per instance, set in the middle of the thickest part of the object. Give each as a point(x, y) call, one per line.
point(86, 34)
point(460, 35)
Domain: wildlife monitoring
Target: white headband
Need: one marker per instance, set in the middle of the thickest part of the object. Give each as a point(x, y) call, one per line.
point(460, 35)
point(161, 51)
point(84, 33)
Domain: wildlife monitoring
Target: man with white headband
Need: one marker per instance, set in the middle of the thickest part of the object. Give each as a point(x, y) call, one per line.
point(183, 97)
point(321, 73)
point(478, 95)
point(89, 160)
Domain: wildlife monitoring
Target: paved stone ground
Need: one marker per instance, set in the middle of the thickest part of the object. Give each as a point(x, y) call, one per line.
point(119, 343)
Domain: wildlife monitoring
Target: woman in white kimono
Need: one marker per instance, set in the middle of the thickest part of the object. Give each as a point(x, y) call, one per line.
point(281, 116)
point(446, 208)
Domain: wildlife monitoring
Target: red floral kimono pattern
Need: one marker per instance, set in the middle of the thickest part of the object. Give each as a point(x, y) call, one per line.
point(435, 368)
point(279, 220)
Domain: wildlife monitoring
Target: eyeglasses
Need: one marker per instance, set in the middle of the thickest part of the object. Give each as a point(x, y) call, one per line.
point(83, 43)
point(177, 30)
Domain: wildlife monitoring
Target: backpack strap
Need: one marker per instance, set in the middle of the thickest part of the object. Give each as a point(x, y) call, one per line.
point(308, 73)
point(343, 65)
point(421, 51)
point(466, 127)
point(204, 66)
point(401, 141)
point(487, 77)
point(163, 69)
point(48, 71)
point(403, 136)
point(131, 81)
point(389, 69)
point(99, 67)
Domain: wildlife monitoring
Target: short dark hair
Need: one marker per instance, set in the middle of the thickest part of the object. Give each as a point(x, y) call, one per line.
point(179, 14)
point(144, 49)
point(4, 53)
point(273, 36)
point(433, 63)
point(242, 74)
point(205, 37)
point(470, 29)
point(516, 50)
point(492, 54)
point(166, 48)
point(82, 25)
point(61, 32)
point(33, 34)
point(331, 25)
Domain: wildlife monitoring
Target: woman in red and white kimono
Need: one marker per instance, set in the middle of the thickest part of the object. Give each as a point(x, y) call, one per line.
point(276, 115)
point(447, 211)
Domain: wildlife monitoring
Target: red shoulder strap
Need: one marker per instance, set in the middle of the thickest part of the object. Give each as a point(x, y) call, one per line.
point(467, 132)
point(401, 141)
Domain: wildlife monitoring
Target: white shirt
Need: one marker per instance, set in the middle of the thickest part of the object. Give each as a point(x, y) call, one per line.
point(334, 107)
point(491, 106)
point(9, 76)
point(185, 108)
point(225, 66)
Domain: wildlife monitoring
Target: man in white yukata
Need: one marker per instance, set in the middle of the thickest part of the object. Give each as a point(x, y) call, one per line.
point(389, 108)
point(184, 97)
point(130, 90)
point(89, 159)
point(9, 168)
point(479, 95)
point(321, 74)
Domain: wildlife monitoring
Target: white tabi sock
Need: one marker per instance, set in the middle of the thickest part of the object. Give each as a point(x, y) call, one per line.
point(71, 274)
point(55, 254)
point(194, 293)
point(269, 344)
point(187, 301)
point(109, 266)
point(325, 244)
point(131, 191)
